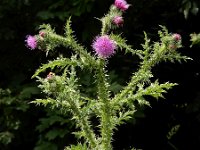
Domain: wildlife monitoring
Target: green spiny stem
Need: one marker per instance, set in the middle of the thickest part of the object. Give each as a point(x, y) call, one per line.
point(103, 95)
point(71, 42)
point(130, 87)
point(83, 121)
point(74, 101)
point(141, 75)
point(103, 29)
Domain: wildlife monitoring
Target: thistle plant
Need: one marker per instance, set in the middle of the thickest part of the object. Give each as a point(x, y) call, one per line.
point(110, 110)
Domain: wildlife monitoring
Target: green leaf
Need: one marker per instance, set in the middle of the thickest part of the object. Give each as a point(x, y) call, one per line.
point(60, 62)
point(45, 123)
point(68, 30)
point(77, 147)
point(46, 146)
point(55, 133)
point(27, 92)
point(121, 43)
point(6, 137)
point(44, 102)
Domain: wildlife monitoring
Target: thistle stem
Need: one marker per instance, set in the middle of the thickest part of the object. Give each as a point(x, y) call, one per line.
point(89, 134)
point(143, 74)
point(72, 43)
point(82, 120)
point(103, 95)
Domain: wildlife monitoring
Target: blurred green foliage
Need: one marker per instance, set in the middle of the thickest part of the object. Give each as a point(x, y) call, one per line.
point(54, 131)
point(12, 106)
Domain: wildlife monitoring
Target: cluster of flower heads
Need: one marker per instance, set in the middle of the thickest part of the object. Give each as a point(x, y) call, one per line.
point(103, 45)
point(122, 6)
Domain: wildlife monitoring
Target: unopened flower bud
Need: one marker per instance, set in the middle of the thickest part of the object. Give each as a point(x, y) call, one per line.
point(172, 46)
point(121, 4)
point(50, 75)
point(176, 37)
point(42, 34)
point(118, 20)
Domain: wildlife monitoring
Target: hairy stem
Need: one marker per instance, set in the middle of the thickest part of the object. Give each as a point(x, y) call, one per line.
point(82, 120)
point(103, 29)
point(143, 74)
point(103, 95)
point(72, 43)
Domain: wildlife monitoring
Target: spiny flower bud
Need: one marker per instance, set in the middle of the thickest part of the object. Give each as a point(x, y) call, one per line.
point(42, 34)
point(121, 4)
point(118, 20)
point(172, 47)
point(104, 46)
point(50, 75)
point(31, 42)
point(176, 37)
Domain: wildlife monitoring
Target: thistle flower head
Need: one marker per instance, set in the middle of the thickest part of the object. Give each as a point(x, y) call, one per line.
point(104, 46)
point(31, 42)
point(118, 20)
point(121, 4)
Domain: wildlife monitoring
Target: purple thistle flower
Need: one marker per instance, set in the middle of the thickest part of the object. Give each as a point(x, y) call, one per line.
point(118, 20)
point(176, 37)
point(121, 4)
point(104, 46)
point(31, 42)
